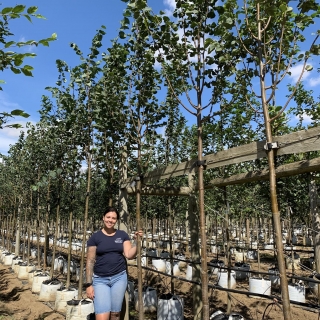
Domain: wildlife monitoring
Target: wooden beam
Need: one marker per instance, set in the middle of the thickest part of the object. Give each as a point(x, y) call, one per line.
point(286, 170)
point(296, 142)
point(168, 191)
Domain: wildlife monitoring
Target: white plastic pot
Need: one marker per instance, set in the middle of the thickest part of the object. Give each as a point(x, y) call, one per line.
point(260, 285)
point(297, 292)
point(274, 276)
point(170, 307)
point(24, 270)
point(159, 265)
point(49, 289)
point(222, 276)
point(37, 281)
point(79, 309)
point(149, 297)
point(62, 297)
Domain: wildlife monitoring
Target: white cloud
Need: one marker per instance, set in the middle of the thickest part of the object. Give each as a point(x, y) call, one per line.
point(296, 72)
point(171, 4)
point(306, 118)
point(10, 136)
point(5, 103)
point(313, 82)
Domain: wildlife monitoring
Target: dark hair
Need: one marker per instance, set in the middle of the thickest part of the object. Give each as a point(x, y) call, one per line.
point(112, 209)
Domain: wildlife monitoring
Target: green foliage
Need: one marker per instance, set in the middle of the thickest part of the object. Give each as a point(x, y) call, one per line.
point(4, 116)
point(13, 60)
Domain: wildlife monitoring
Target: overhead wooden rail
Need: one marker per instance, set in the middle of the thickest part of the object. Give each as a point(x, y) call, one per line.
point(296, 142)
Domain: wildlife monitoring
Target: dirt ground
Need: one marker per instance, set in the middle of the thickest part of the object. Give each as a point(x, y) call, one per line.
point(17, 302)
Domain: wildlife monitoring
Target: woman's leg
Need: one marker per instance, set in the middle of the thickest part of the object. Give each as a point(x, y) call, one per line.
point(104, 316)
point(102, 298)
point(118, 288)
point(114, 316)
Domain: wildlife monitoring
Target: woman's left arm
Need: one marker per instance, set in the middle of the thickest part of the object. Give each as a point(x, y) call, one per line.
point(130, 250)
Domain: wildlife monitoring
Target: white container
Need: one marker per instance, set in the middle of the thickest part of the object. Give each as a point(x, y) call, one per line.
point(79, 309)
point(223, 279)
point(33, 253)
point(215, 249)
point(240, 256)
point(159, 265)
point(16, 264)
point(48, 291)
point(260, 285)
point(297, 292)
point(170, 307)
point(182, 264)
point(24, 270)
point(268, 246)
point(295, 262)
point(189, 272)
point(37, 281)
point(254, 245)
point(62, 297)
point(7, 260)
point(31, 274)
point(176, 270)
point(252, 254)
point(58, 264)
point(149, 299)
point(274, 276)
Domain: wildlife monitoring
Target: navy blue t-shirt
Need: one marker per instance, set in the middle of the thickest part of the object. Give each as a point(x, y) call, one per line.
point(109, 254)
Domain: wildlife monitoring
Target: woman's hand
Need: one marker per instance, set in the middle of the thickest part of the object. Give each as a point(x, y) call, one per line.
point(90, 292)
point(138, 234)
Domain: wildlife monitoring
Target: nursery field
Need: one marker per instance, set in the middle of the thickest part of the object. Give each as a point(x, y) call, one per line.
point(18, 302)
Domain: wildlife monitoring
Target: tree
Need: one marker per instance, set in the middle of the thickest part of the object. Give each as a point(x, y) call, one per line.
point(197, 51)
point(271, 35)
point(14, 60)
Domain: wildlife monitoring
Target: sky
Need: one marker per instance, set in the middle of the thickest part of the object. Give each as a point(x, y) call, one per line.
point(74, 21)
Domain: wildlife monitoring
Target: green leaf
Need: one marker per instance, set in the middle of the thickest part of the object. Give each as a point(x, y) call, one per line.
point(32, 10)
point(122, 35)
point(26, 72)
point(44, 43)
point(28, 17)
point(6, 10)
point(20, 113)
point(18, 62)
point(283, 7)
point(19, 8)
point(9, 44)
point(309, 68)
point(39, 16)
point(15, 70)
point(27, 67)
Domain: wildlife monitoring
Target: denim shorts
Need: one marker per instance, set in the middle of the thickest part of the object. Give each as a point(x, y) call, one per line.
point(109, 292)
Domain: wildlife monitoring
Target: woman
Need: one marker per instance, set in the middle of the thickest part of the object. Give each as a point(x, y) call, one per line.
point(106, 268)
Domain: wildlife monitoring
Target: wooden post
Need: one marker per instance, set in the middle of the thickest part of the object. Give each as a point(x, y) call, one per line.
point(123, 223)
point(195, 256)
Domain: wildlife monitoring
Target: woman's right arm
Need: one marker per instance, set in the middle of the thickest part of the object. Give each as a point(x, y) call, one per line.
point(91, 258)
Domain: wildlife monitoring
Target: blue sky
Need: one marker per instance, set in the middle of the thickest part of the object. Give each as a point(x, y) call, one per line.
point(73, 21)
